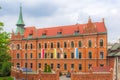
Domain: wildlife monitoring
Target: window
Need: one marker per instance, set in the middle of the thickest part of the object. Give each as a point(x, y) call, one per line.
point(18, 55)
point(65, 66)
point(79, 44)
point(25, 55)
point(76, 32)
point(18, 65)
point(59, 33)
point(80, 66)
point(39, 55)
point(80, 55)
point(90, 55)
point(101, 43)
point(51, 45)
point(58, 55)
point(44, 34)
point(31, 65)
point(65, 56)
point(72, 44)
point(45, 55)
point(39, 65)
point(31, 46)
point(51, 65)
point(72, 55)
point(45, 65)
point(65, 45)
point(25, 65)
point(31, 56)
point(72, 66)
point(89, 43)
point(18, 46)
point(101, 55)
point(45, 45)
point(58, 45)
point(25, 46)
point(58, 66)
point(12, 46)
point(51, 55)
point(39, 45)
point(89, 66)
point(101, 65)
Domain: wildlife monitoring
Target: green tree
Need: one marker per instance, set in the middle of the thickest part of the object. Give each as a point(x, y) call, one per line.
point(5, 65)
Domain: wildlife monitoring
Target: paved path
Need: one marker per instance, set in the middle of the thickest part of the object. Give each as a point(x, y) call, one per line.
point(64, 78)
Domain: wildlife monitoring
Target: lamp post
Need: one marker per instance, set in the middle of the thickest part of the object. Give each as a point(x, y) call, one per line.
point(26, 57)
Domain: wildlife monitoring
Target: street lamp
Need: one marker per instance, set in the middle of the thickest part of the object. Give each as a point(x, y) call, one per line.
point(26, 57)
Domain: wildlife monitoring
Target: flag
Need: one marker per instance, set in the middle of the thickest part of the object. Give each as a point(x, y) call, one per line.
point(55, 53)
point(61, 55)
point(76, 52)
point(42, 53)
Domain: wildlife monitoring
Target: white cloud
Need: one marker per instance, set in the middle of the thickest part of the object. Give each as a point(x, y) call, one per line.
point(68, 12)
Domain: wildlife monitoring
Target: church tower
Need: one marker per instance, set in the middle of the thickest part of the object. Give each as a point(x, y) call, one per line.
point(20, 23)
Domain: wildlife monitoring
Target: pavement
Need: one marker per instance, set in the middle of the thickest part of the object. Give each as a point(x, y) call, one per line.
point(64, 78)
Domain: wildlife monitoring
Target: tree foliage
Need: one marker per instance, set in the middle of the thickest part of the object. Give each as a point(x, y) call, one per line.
point(5, 65)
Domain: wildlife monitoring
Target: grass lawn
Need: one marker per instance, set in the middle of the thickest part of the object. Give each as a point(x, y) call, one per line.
point(6, 78)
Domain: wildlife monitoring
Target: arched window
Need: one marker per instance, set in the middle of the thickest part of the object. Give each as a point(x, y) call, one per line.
point(90, 55)
point(58, 45)
point(12, 46)
point(31, 65)
point(72, 44)
point(26, 65)
point(80, 55)
point(51, 45)
point(25, 46)
point(89, 43)
point(45, 55)
point(31, 46)
point(39, 55)
point(18, 65)
point(51, 55)
point(18, 46)
point(65, 45)
point(101, 43)
point(45, 45)
point(65, 55)
point(72, 55)
point(18, 55)
point(31, 56)
point(39, 45)
point(58, 55)
point(101, 55)
point(25, 55)
point(79, 44)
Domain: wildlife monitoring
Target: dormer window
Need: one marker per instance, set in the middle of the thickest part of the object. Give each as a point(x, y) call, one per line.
point(59, 33)
point(30, 34)
point(76, 32)
point(44, 34)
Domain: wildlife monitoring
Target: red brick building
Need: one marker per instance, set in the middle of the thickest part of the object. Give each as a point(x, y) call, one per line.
point(73, 47)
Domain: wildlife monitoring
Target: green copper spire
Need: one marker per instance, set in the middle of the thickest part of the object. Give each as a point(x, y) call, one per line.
point(20, 23)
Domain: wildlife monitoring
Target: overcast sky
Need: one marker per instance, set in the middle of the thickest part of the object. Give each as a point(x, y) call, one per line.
point(50, 13)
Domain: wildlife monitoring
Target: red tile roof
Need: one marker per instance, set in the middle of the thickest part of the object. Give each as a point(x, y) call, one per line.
point(66, 30)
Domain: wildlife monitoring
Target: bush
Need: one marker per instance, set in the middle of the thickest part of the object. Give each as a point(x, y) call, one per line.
point(47, 68)
point(5, 70)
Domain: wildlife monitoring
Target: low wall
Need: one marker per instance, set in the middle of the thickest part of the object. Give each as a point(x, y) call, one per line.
point(92, 76)
point(18, 74)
